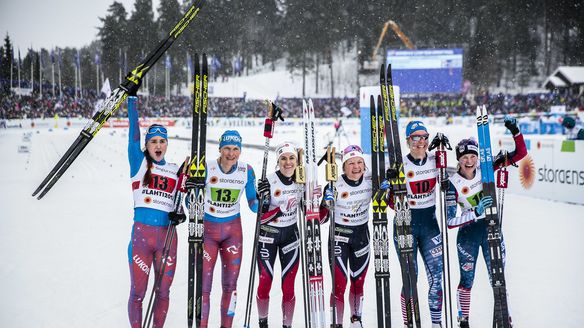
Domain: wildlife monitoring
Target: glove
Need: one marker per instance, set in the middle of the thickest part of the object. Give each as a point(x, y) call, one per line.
point(177, 218)
point(317, 192)
point(263, 187)
point(329, 195)
point(511, 124)
point(384, 185)
point(289, 205)
point(444, 185)
point(194, 182)
point(483, 203)
point(438, 140)
point(391, 174)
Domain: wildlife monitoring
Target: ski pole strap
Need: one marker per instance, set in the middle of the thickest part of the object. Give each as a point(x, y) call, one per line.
point(300, 171)
point(274, 113)
point(332, 172)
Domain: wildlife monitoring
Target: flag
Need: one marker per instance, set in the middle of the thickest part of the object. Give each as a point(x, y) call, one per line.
point(120, 59)
point(106, 89)
point(76, 58)
point(52, 56)
point(189, 63)
point(167, 63)
point(97, 59)
point(215, 63)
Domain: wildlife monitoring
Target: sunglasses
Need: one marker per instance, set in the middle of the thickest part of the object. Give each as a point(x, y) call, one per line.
point(352, 148)
point(417, 138)
point(157, 129)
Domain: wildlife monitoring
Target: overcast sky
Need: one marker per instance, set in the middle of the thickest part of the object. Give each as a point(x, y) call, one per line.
point(49, 23)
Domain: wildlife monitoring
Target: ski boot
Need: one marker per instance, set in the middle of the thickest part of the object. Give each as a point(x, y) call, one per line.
point(356, 322)
point(463, 322)
point(263, 323)
point(436, 324)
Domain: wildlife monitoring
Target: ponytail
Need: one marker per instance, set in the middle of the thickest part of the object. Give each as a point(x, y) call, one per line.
point(148, 174)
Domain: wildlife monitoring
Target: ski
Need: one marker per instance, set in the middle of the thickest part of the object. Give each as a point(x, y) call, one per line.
point(331, 176)
point(311, 227)
point(403, 217)
point(128, 87)
point(501, 312)
point(380, 236)
point(274, 113)
point(196, 196)
point(300, 178)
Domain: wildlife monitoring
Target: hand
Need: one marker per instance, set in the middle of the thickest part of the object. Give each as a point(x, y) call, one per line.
point(391, 174)
point(194, 182)
point(263, 187)
point(444, 185)
point(177, 218)
point(483, 204)
point(385, 185)
point(439, 139)
point(511, 124)
point(329, 195)
point(291, 203)
point(317, 192)
point(182, 178)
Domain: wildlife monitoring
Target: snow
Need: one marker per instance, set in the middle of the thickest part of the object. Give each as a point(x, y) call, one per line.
point(65, 257)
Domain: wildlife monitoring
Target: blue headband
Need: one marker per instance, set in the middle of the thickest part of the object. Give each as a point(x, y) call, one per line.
point(414, 126)
point(230, 137)
point(156, 130)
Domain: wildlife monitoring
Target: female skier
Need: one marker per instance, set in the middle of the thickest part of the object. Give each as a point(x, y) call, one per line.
point(352, 239)
point(279, 233)
point(154, 184)
point(227, 179)
point(465, 188)
point(421, 178)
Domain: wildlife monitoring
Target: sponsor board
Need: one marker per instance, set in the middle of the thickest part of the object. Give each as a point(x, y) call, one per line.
point(551, 170)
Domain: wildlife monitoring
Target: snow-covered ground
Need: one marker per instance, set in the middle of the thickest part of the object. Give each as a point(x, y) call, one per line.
point(65, 257)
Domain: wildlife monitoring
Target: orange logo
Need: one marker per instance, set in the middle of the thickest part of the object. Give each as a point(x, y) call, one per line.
point(465, 190)
point(527, 172)
point(213, 180)
point(277, 193)
point(345, 195)
point(212, 209)
point(412, 202)
point(410, 174)
point(147, 200)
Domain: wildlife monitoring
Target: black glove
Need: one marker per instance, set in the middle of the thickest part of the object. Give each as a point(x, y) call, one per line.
point(177, 218)
point(444, 185)
point(194, 182)
point(511, 124)
point(263, 187)
point(438, 140)
point(391, 174)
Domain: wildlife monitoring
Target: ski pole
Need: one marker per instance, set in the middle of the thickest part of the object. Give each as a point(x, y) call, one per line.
point(274, 113)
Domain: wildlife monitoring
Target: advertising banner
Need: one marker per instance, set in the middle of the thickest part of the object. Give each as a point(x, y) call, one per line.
point(552, 169)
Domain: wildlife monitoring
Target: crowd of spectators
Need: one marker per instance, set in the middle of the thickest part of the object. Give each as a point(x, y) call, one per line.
point(458, 105)
point(67, 104)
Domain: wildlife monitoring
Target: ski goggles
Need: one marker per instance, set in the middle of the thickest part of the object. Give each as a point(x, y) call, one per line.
point(157, 129)
point(351, 148)
point(418, 138)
